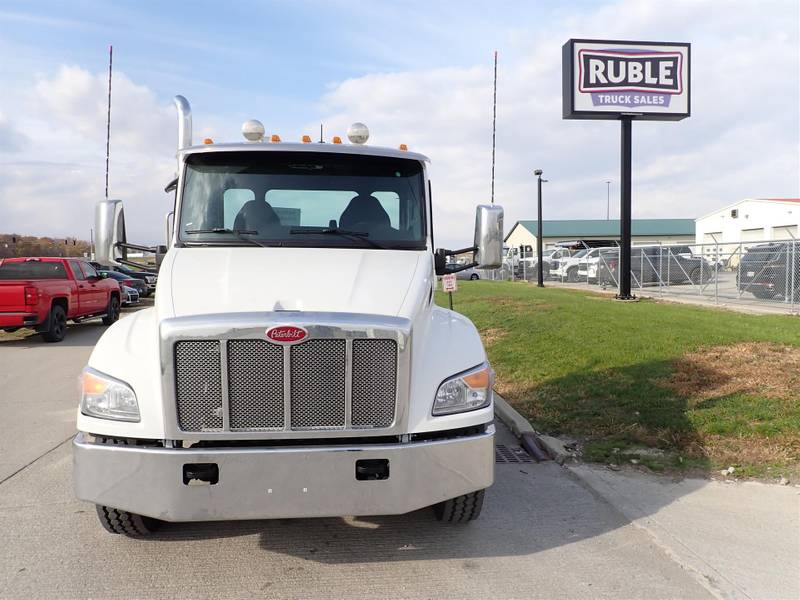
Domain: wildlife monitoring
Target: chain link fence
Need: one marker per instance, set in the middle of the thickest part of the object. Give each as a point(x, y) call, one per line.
point(756, 273)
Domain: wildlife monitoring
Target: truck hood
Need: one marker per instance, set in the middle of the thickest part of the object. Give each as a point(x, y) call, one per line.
point(220, 280)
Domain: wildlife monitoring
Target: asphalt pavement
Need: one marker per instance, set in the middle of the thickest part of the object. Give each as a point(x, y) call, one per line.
point(543, 533)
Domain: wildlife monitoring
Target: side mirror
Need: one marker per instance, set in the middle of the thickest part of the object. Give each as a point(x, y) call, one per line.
point(171, 186)
point(103, 275)
point(489, 236)
point(169, 222)
point(109, 228)
point(161, 252)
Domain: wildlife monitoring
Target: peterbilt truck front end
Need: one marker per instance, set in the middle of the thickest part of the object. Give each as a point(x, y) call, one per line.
point(295, 363)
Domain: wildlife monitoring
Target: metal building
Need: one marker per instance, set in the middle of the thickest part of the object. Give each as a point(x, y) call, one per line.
point(644, 231)
point(750, 220)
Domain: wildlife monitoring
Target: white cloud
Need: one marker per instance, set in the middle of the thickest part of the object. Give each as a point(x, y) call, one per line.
point(11, 139)
point(741, 140)
point(50, 186)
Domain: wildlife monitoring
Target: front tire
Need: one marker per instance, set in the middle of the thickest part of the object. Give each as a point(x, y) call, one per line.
point(461, 509)
point(121, 521)
point(112, 314)
point(474, 276)
point(572, 276)
point(57, 328)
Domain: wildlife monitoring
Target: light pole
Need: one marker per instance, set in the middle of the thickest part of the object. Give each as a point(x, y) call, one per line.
point(608, 200)
point(539, 269)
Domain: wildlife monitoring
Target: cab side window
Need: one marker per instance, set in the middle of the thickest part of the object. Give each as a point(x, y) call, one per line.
point(89, 271)
point(75, 266)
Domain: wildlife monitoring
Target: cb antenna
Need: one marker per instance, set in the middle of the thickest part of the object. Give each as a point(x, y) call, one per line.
point(494, 119)
point(321, 141)
point(108, 118)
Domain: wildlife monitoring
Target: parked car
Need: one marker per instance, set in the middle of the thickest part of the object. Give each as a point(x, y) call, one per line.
point(587, 268)
point(148, 277)
point(137, 284)
point(567, 268)
point(43, 293)
point(130, 296)
point(770, 270)
point(470, 273)
point(530, 270)
point(552, 258)
point(655, 264)
point(581, 266)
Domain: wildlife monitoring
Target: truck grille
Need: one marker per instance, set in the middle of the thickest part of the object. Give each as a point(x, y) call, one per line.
point(199, 385)
point(318, 384)
point(255, 385)
point(277, 388)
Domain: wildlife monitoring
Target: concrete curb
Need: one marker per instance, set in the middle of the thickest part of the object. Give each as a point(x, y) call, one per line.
point(520, 426)
point(515, 421)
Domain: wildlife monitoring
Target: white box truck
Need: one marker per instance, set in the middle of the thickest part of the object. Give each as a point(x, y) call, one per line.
point(294, 363)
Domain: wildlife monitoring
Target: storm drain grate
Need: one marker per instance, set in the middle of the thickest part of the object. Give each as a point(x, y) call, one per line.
point(510, 454)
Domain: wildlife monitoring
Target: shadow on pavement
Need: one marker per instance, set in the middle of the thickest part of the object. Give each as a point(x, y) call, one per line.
point(78, 334)
point(531, 508)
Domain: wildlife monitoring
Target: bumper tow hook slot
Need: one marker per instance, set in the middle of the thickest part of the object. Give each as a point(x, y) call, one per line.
point(200, 474)
point(374, 469)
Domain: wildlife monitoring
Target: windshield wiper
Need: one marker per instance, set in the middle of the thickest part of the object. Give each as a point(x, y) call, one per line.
point(239, 233)
point(356, 235)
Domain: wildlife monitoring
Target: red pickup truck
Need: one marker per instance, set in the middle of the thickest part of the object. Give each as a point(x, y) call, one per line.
point(43, 293)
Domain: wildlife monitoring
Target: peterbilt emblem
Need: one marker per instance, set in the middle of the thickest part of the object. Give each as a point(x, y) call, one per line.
point(286, 334)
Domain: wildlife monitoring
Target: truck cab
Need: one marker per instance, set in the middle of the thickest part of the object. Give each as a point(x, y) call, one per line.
point(295, 363)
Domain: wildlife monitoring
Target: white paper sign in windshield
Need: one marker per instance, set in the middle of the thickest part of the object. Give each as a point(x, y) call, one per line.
point(607, 79)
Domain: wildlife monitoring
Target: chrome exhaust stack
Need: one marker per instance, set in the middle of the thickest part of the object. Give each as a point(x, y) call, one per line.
point(184, 122)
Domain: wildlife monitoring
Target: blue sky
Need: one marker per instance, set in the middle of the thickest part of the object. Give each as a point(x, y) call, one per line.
point(415, 72)
point(241, 58)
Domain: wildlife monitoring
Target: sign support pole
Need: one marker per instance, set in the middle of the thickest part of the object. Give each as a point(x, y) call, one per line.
point(625, 80)
point(539, 268)
point(625, 210)
point(451, 299)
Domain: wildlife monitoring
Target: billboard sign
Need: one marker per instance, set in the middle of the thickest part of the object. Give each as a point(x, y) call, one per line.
point(607, 79)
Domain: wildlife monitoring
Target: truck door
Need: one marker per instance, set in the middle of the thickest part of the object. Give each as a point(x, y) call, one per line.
point(93, 295)
point(80, 298)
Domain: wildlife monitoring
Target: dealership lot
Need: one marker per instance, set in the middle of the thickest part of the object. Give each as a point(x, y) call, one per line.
point(542, 533)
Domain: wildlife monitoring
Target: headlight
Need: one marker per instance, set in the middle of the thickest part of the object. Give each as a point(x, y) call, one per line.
point(107, 398)
point(464, 392)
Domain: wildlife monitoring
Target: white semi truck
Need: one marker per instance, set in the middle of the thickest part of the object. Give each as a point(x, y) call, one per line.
point(294, 363)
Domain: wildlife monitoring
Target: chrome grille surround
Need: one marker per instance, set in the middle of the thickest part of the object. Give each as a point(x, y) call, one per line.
point(371, 405)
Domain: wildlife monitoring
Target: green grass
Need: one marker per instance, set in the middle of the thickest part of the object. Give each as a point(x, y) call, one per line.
point(584, 365)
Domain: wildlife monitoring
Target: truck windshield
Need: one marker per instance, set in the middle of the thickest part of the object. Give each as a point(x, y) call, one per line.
point(303, 199)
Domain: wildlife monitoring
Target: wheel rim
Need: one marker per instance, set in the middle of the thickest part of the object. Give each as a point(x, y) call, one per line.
point(59, 325)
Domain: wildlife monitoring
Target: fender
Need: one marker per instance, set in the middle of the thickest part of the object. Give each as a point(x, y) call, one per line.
point(444, 344)
point(128, 351)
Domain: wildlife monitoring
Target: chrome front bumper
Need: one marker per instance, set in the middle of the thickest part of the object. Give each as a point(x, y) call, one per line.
point(281, 482)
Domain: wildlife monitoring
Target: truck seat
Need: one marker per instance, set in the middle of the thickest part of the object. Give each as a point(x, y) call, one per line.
point(365, 211)
point(256, 215)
